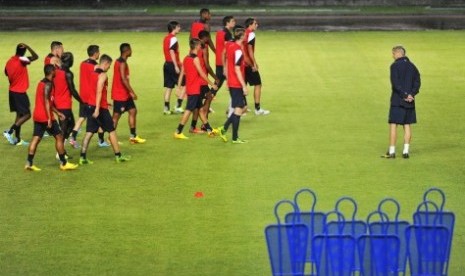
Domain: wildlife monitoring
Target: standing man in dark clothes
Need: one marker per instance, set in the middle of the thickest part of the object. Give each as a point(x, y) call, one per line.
point(202, 25)
point(16, 71)
point(405, 81)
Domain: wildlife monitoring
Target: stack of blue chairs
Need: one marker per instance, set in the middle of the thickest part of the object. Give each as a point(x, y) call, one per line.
point(311, 242)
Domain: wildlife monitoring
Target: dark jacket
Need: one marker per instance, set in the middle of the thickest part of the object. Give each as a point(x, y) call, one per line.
point(405, 80)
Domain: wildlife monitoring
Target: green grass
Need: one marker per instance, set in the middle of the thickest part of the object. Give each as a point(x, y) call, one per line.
point(329, 96)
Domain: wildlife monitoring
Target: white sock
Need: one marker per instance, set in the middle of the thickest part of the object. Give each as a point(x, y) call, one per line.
point(392, 149)
point(406, 148)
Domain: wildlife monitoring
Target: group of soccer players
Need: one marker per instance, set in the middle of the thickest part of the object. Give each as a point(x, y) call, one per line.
point(235, 64)
point(53, 115)
point(54, 97)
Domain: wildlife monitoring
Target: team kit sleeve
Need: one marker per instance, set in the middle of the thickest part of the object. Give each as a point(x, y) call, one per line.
point(238, 56)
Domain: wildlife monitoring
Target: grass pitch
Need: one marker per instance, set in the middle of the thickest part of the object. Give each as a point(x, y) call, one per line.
point(329, 96)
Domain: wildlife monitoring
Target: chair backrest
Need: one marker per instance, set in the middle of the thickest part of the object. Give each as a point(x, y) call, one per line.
point(352, 226)
point(379, 255)
point(287, 245)
point(314, 220)
point(431, 214)
point(334, 254)
point(391, 225)
point(427, 247)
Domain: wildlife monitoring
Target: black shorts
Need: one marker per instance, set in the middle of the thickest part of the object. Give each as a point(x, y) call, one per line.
point(41, 128)
point(104, 120)
point(68, 113)
point(19, 102)
point(123, 106)
point(204, 90)
point(220, 76)
point(83, 108)
point(251, 77)
point(193, 102)
point(402, 116)
point(237, 97)
point(170, 77)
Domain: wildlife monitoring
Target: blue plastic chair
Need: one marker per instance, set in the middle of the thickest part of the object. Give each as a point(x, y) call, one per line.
point(287, 245)
point(379, 253)
point(438, 217)
point(352, 226)
point(334, 253)
point(315, 221)
point(392, 226)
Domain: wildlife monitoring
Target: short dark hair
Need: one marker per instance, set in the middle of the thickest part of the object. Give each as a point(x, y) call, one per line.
point(92, 49)
point(227, 19)
point(172, 25)
point(193, 43)
point(48, 69)
point(67, 58)
point(20, 50)
point(55, 44)
point(249, 21)
point(105, 58)
point(203, 34)
point(124, 47)
point(204, 11)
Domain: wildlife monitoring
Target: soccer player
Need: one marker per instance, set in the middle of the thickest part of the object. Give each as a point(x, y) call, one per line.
point(405, 82)
point(237, 86)
point(172, 67)
point(98, 115)
point(252, 75)
point(202, 25)
point(16, 71)
point(64, 90)
point(54, 57)
point(222, 36)
point(85, 71)
point(123, 95)
point(194, 73)
point(44, 120)
point(206, 95)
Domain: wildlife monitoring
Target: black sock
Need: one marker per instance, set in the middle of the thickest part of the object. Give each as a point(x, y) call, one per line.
point(228, 122)
point(208, 127)
point(118, 154)
point(30, 159)
point(179, 103)
point(83, 155)
point(18, 133)
point(101, 137)
point(12, 128)
point(193, 124)
point(180, 128)
point(133, 131)
point(167, 105)
point(235, 124)
point(74, 134)
point(62, 158)
point(257, 106)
